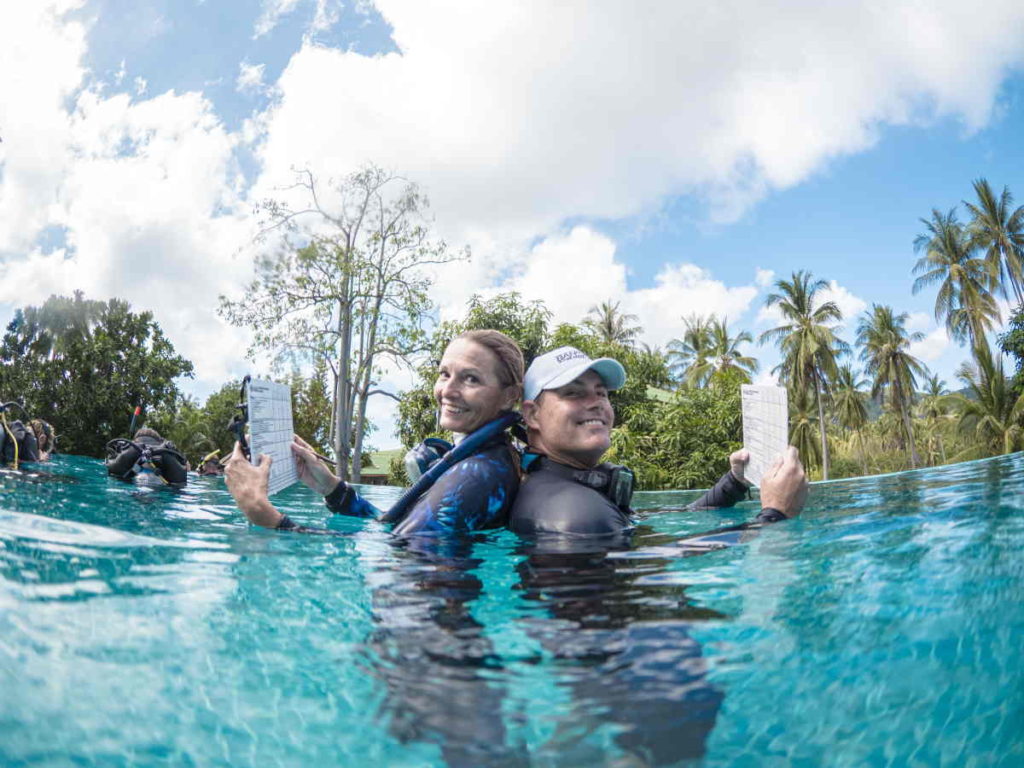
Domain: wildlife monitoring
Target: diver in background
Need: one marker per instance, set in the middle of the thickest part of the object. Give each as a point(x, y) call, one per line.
point(148, 453)
point(210, 465)
point(46, 438)
point(17, 442)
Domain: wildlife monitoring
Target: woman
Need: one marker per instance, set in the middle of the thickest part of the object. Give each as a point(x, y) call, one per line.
point(480, 377)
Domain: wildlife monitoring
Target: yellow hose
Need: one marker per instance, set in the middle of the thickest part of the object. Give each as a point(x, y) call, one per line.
point(3, 417)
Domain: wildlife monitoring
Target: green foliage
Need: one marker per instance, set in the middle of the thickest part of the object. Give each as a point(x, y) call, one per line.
point(682, 444)
point(1011, 341)
point(84, 365)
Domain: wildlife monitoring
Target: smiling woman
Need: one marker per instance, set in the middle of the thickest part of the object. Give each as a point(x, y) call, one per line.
point(479, 380)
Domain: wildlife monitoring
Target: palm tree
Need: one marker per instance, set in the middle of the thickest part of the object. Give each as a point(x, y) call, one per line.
point(991, 411)
point(964, 301)
point(803, 424)
point(932, 410)
point(884, 340)
point(611, 325)
point(690, 356)
point(725, 352)
point(998, 229)
point(850, 409)
point(808, 344)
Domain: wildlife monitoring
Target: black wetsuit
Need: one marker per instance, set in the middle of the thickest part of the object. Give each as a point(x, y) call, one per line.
point(474, 494)
point(551, 500)
point(28, 448)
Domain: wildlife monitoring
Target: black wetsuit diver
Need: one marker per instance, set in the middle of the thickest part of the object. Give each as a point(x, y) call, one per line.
point(557, 498)
point(17, 442)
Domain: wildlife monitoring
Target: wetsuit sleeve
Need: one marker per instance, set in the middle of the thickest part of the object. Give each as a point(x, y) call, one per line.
point(345, 500)
point(473, 495)
point(727, 492)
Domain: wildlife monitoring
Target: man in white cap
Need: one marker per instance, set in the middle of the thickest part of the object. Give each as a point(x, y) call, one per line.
point(568, 421)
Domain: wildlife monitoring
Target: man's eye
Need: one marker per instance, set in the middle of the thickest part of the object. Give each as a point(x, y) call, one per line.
point(472, 379)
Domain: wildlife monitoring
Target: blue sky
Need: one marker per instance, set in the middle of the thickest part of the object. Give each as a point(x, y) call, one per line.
point(677, 161)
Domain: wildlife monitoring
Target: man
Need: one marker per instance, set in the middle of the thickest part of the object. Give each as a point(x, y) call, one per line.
point(568, 490)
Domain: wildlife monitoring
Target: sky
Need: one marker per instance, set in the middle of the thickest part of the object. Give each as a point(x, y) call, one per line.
point(676, 157)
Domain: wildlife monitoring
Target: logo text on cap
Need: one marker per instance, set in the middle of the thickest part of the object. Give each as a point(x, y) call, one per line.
point(574, 355)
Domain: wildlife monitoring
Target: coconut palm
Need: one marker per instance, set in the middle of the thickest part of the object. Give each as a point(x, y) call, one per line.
point(690, 356)
point(991, 412)
point(850, 409)
point(725, 353)
point(885, 343)
point(611, 325)
point(808, 342)
point(932, 409)
point(997, 228)
point(964, 301)
point(803, 426)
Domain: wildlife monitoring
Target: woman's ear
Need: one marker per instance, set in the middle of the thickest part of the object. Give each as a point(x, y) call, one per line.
point(512, 394)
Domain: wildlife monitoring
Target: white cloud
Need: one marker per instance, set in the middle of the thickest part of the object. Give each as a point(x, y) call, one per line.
point(763, 278)
point(573, 272)
point(933, 346)
point(681, 290)
point(919, 321)
point(606, 110)
point(34, 38)
point(145, 191)
point(250, 77)
point(273, 11)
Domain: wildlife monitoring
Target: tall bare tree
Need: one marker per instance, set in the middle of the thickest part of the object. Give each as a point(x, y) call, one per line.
point(344, 284)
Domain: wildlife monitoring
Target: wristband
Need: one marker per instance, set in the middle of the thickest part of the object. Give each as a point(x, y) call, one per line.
point(286, 523)
point(337, 500)
point(770, 515)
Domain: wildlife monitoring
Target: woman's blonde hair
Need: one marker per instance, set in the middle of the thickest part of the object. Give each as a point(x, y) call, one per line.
point(511, 365)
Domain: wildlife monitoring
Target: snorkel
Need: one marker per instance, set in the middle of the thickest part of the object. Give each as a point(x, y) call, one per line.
point(237, 424)
point(470, 445)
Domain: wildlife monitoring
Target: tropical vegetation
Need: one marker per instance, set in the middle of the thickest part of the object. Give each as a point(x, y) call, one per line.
point(341, 290)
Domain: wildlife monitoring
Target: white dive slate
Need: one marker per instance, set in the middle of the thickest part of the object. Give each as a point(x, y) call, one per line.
point(271, 430)
point(765, 427)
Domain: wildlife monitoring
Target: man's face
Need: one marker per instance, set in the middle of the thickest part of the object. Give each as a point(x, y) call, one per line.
point(572, 424)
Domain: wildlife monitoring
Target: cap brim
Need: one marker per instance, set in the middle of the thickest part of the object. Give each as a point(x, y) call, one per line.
point(611, 372)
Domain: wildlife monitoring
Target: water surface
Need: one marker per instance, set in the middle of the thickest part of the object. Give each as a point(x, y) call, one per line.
point(148, 626)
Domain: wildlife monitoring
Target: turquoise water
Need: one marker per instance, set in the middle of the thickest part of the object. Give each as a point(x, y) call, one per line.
point(147, 626)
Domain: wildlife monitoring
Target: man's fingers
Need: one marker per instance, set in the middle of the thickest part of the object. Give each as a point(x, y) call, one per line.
point(265, 462)
point(792, 453)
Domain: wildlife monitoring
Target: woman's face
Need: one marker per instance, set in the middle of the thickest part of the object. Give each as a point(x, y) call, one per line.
point(468, 391)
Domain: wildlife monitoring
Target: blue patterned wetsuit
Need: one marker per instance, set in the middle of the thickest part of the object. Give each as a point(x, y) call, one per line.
point(475, 494)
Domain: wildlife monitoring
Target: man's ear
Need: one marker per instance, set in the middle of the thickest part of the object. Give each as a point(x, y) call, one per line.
point(529, 410)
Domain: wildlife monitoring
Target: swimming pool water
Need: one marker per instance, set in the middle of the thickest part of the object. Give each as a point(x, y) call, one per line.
point(143, 626)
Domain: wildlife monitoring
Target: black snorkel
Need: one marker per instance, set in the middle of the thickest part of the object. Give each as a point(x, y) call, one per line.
point(237, 424)
point(470, 444)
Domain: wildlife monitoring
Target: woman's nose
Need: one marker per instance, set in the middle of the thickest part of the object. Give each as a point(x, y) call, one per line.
point(449, 387)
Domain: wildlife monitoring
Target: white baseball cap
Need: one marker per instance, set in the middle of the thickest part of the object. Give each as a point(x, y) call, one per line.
point(560, 366)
